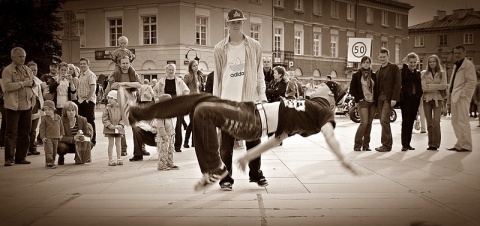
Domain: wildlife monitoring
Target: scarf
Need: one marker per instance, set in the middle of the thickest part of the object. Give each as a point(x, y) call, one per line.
point(367, 76)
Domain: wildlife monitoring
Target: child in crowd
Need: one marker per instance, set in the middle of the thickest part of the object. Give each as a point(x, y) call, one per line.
point(164, 139)
point(120, 53)
point(51, 131)
point(113, 127)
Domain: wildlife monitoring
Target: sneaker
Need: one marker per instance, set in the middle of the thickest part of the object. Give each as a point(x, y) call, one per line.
point(163, 168)
point(51, 166)
point(112, 163)
point(262, 182)
point(210, 178)
point(226, 186)
point(119, 162)
point(174, 167)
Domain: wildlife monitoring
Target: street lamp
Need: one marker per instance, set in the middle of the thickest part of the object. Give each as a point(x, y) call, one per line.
point(196, 56)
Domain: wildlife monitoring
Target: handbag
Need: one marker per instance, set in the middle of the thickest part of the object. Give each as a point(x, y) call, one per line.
point(416, 125)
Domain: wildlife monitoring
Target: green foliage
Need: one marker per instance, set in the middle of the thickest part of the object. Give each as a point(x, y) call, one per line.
point(33, 25)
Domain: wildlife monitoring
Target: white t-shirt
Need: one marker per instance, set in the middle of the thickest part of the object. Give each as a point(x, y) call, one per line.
point(234, 73)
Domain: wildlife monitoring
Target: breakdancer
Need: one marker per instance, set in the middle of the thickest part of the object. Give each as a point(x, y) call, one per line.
point(245, 121)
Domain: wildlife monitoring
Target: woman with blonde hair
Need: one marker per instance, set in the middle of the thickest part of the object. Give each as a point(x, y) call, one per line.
point(434, 85)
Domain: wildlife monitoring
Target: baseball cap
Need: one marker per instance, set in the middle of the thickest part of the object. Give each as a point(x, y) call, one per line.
point(112, 94)
point(235, 15)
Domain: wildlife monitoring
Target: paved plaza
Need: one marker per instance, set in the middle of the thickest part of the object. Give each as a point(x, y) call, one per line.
point(307, 187)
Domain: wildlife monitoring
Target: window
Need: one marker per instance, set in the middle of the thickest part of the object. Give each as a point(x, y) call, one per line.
point(149, 30)
point(255, 31)
point(317, 44)
point(385, 18)
point(278, 3)
point(468, 38)
point(256, 1)
point(150, 77)
point(114, 31)
point(334, 9)
point(420, 64)
point(317, 7)
point(442, 39)
point(397, 53)
point(334, 45)
point(369, 16)
point(298, 5)
point(278, 39)
point(419, 41)
point(385, 44)
point(398, 20)
point(81, 33)
point(350, 12)
point(298, 45)
point(201, 31)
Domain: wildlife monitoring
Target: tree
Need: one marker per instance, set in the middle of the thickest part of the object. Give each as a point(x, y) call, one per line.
point(33, 25)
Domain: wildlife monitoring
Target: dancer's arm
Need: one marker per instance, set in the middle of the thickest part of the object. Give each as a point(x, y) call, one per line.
point(327, 131)
point(259, 149)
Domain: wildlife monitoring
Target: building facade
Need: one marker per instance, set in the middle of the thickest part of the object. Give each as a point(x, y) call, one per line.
point(441, 34)
point(159, 32)
point(308, 37)
point(316, 32)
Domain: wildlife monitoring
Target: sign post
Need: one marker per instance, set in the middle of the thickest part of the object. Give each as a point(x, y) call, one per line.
point(358, 48)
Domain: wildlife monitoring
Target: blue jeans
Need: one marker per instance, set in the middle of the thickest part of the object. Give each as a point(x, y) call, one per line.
point(367, 113)
point(432, 115)
point(385, 111)
point(18, 125)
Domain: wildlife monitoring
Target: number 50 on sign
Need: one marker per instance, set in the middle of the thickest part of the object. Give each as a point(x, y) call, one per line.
point(358, 48)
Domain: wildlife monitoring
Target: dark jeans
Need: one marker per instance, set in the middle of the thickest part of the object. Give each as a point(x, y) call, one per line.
point(385, 111)
point(433, 113)
point(409, 108)
point(236, 120)
point(226, 152)
point(63, 149)
point(87, 110)
point(188, 131)
point(241, 120)
point(178, 133)
point(141, 137)
point(18, 128)
point(367, 113)
point(33, 135)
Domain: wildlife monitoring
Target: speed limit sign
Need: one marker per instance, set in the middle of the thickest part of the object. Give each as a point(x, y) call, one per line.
point(358, 48)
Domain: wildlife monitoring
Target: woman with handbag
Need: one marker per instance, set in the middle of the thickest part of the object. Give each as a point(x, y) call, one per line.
point(434, 85)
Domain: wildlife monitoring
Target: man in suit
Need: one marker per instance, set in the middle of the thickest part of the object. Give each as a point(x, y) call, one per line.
point(462, 85)
point(388, 84)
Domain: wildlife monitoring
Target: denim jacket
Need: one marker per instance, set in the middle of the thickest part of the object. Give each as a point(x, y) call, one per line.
point(254, 83)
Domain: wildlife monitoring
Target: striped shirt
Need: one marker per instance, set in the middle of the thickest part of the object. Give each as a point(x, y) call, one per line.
point(86, 80)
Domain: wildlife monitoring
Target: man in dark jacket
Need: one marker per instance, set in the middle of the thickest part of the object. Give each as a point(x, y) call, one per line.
point(388, 86)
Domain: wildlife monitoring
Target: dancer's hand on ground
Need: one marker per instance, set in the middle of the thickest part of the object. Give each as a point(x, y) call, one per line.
point(242, 163)
point(348, 165)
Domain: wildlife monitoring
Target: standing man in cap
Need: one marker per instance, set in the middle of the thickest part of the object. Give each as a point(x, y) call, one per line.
point(239, 77)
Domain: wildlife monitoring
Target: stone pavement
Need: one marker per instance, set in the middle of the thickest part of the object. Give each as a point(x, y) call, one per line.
point(307, 187)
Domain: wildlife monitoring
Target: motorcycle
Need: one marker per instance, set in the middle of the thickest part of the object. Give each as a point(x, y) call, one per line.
point(355, 115)
point(340, 99)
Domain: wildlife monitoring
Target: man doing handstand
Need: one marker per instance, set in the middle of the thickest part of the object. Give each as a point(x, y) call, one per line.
point(245, 121)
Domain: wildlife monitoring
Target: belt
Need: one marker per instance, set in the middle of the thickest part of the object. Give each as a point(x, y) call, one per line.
point(263, 118)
